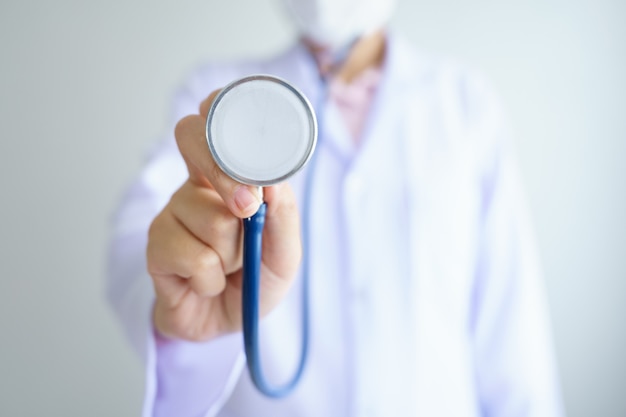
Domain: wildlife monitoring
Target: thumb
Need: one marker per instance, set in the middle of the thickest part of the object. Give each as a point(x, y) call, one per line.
point(282, 246)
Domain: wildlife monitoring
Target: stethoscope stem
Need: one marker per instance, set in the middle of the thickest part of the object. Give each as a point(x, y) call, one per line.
point(252, 244)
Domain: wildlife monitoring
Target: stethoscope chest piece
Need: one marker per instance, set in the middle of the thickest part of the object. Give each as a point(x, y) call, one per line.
point(261, 130)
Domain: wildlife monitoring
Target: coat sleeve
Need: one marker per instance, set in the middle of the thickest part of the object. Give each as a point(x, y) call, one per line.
point(512, 347)
point(182, 378)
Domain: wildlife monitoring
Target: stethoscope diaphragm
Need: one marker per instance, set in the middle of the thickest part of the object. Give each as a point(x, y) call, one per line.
point(261, 130)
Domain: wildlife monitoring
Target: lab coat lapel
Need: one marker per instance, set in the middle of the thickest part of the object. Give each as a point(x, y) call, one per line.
point(377, 207)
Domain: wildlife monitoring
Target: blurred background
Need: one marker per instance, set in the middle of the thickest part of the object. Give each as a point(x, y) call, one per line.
point(84, 91)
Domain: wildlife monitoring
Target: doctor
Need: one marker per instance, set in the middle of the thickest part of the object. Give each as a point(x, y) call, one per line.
point(426, 297)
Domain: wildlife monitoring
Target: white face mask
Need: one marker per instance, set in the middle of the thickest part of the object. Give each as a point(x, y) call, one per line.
point(336, 23)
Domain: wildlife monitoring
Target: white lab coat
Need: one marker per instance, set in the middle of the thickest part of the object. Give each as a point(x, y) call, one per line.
point(425, 289)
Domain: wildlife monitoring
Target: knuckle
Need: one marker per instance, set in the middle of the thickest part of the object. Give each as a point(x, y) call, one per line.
point(155, 248)
point(155, 230)
point(208, 279)
point(223, 225)
point(207, 263)
point(179, 196)
point(184, 128)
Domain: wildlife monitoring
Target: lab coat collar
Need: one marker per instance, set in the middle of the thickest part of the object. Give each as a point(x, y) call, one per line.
point(398, 75)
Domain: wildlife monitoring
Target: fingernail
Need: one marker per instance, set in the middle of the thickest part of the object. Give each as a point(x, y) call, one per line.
point(245, 199)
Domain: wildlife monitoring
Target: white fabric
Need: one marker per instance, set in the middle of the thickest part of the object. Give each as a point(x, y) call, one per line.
point(336, 23)
point(425, 289)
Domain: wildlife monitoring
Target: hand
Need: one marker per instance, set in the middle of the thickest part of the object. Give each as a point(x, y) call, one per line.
point(194, 252)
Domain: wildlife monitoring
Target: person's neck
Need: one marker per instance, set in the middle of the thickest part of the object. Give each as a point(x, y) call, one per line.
point(366, 52)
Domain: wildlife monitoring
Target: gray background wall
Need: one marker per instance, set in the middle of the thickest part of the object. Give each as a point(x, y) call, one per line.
point(84, 90)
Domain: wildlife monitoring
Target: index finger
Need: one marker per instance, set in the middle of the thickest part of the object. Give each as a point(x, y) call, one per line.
point(205, 106)
point(242, 200)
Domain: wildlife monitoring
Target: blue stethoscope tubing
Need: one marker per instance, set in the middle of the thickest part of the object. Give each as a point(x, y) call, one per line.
point(252, 244)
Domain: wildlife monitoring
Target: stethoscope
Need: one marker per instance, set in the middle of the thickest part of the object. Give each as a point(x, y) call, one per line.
point(261, 130)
